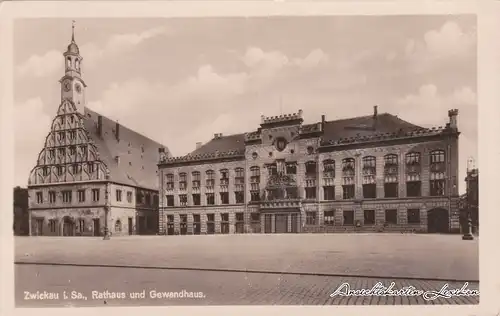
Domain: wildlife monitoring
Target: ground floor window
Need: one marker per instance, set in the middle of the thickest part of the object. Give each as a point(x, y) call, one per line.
point(196, 224)
point(210, 224)
point(255, 218)
point(369, 217)
point(413, 216)
point(329, 218)
point(391, 216)
point(118, 226)
point(240, 223)
point(224, 225)
point(348, 217)
point(183, 224)
point(310, 218)
point(52, 225)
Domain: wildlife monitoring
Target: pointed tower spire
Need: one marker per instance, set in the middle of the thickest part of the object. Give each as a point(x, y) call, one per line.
point(73, 32)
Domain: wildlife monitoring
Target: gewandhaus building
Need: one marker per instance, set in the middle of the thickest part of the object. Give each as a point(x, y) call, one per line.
point(370, 173)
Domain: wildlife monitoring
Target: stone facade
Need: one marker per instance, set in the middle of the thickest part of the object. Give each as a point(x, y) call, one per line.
point(289, 196)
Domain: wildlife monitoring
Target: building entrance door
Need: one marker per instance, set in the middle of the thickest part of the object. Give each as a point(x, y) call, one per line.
point(68, 227)
point(294, 218)
point(96, 226)
point(130, 226)
point(281, 223)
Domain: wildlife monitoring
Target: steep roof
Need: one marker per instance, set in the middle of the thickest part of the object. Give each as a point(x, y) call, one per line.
point(333, 130)
point(138, 154)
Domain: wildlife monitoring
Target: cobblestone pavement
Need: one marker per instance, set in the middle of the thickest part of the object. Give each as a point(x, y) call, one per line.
point(219, 288)
point(423, 256)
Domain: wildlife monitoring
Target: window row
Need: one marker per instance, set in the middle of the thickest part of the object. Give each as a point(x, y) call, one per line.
point(390, 217)
point(62, 151)
point(67, 196)
point(73, 168)
point(225, 223)
point(182, 199)
point(140, 197)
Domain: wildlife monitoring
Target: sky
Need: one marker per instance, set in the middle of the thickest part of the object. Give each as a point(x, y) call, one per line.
point(179, 81)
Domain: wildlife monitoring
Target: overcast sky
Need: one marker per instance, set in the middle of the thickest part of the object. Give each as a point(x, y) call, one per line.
point(181, 80)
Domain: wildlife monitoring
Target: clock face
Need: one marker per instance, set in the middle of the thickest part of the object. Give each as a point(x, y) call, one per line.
point(78, 88)
point(67, 85)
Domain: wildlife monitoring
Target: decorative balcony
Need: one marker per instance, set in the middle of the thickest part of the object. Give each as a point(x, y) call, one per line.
point(280, 204)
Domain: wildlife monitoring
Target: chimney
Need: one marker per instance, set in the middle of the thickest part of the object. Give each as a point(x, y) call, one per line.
point(117, 131)
point(375, 116)
point(323, 120)
point(452, 114)
point(99, 125)
point(117, 160)
point(198, 145)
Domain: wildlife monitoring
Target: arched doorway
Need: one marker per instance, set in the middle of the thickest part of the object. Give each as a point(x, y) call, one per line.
point(438, 221)
point(68, 227)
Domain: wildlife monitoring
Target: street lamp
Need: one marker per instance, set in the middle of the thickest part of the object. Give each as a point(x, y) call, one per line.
point(106, 208)
point(468, 231)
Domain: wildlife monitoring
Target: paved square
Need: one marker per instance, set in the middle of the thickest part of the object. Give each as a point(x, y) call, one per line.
point(246, 269)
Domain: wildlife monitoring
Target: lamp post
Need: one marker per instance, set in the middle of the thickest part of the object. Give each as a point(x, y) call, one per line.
point(468, 229)
point(106, 208)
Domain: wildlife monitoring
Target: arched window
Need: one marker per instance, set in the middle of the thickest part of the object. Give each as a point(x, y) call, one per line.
point(413, 171)
point(369, 174)
point(77, 64)
point(118, 226)
point(68, 62)
point(254, 183)
point(182, 181)
point(348, 172)
point(196, 179)
point(438, 170)
point(170, 181)
point(391, 176)
point(311, 168)
point(210, 178)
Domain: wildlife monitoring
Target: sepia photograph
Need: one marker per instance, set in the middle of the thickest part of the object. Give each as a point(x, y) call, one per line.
point(245, 160)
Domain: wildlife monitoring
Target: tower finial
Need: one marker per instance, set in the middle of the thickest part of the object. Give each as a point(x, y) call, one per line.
point(73, 31)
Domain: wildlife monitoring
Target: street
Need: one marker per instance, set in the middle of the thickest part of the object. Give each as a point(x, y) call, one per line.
point(241, 269)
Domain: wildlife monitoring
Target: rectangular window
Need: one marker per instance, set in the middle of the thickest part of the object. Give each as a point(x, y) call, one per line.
point(39, 197)
point(254, 196)
point(348, 192)
point(224, 197)
point(310, 218)
point(170, 181)
point(311, 193)
point(170, 225)
point(391, 216)
point(81, 196)
point(310, 168)
point(348, 217)
point(148, 199)
point(370, 191)
point(67, 196)
point(329, 218)
point(240, 223)
point(391, 190)
point(210, 199)
point(413, 216)
point(437, 187)
point(95, 195)
point(369, 217)
point(224, 225)
point(329, 193)
point(81, 226)
point(52, 225)
point(239, 197)
point(59, 170)
point(52, 197)
point(129, 196)
point(170, 200)
point(210, 224)
point(183, 200)
point(196, 224)
point(139, 197)
point(413, 188)
point(291, 168)
point(196, 199)
point(118, 195)
point(183, 223)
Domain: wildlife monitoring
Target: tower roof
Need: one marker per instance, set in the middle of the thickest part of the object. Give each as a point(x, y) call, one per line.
point(72, 47)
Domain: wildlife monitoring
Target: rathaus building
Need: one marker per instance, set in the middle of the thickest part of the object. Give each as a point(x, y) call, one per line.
point(93, 176)
point(370, 173)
